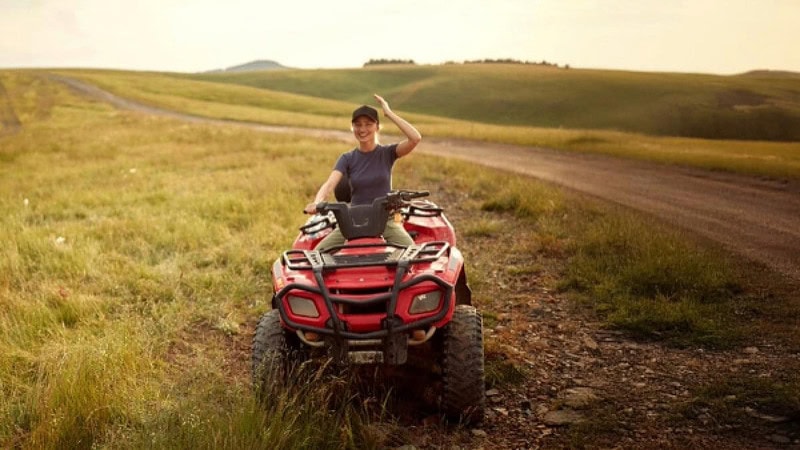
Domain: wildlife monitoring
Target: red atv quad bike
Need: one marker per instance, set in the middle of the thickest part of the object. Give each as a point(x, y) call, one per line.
point(370, 302)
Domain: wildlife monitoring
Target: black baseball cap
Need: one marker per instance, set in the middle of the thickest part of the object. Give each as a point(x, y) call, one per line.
point(368, 111)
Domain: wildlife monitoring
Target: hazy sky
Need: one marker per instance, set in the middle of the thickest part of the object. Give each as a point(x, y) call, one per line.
point(715, 36)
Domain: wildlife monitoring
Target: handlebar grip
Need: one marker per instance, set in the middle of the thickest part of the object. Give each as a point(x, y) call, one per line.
point(408, 195)
point(319, 208)
point(325, 221)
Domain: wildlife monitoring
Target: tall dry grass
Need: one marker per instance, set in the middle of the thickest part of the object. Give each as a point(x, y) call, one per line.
point(136, 251)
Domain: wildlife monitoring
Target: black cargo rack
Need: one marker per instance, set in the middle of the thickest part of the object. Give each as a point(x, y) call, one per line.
point(330, 260)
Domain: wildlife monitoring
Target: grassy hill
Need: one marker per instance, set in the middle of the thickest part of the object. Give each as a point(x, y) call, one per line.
point(195, 95)
point(668, 104)
point(770, 74)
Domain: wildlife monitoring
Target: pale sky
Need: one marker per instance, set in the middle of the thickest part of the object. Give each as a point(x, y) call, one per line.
point(711, 36)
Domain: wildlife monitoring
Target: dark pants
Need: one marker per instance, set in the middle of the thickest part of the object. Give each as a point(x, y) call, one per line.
point(394, 233)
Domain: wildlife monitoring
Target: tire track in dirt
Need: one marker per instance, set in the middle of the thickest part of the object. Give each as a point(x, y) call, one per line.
point(758, 219)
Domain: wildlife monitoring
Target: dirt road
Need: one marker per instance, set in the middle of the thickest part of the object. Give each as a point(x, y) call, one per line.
point(759, 219)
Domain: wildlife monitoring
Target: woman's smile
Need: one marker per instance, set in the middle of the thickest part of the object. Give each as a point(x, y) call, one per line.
point(364, 129)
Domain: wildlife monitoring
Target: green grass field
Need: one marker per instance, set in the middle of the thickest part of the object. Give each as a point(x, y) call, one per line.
point(136, 255)
point(272, 106)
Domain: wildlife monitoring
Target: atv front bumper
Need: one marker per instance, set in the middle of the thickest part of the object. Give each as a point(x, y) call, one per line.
point(385, 329)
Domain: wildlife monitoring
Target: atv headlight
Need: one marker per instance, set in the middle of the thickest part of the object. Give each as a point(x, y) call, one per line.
point(302, 306)
point(426, 302)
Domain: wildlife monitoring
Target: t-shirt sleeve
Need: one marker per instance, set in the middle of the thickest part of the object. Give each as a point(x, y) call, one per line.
point(342, 163)
point(392, 149)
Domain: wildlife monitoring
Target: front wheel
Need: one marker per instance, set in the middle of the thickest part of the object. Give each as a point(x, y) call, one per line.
point(463, 396)
point(275, 352)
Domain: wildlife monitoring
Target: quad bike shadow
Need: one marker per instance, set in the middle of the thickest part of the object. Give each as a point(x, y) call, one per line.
point(400, 318)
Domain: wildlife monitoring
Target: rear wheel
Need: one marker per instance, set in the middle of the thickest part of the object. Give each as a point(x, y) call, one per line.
point(463, 396)
point(275, 352)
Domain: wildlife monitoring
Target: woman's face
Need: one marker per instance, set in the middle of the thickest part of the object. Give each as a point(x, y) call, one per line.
point(364, 129)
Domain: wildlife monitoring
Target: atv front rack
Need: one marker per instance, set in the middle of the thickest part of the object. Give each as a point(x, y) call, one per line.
point(329, 260)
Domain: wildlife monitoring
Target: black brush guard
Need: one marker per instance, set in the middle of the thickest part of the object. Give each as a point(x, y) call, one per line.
point(401, 257)
point(395, 342)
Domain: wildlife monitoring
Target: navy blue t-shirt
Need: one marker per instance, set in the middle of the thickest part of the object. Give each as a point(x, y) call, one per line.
point(370, 172)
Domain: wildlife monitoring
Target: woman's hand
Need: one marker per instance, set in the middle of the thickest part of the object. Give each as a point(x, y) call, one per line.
point(413, 136)
point(311, 208)
point(383, 104)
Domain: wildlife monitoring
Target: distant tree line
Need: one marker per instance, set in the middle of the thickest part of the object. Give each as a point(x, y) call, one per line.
point(383, 61)
point(509, 61)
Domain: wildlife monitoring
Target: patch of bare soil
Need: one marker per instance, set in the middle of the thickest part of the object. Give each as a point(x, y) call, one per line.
point(202, 340)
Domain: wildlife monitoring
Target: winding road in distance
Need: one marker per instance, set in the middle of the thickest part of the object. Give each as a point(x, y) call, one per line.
point(755, 218)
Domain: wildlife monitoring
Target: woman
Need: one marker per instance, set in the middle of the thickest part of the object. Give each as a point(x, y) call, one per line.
point(369, 168)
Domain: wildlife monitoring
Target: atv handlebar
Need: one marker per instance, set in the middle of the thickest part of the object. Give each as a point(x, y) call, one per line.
point(357, 221)
point(410, 195)
point(314, 227)
point(394, 200)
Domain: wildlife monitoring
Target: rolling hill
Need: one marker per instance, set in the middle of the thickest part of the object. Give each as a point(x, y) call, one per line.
point(765, 73)
point(666, 104)
point(252, 66)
